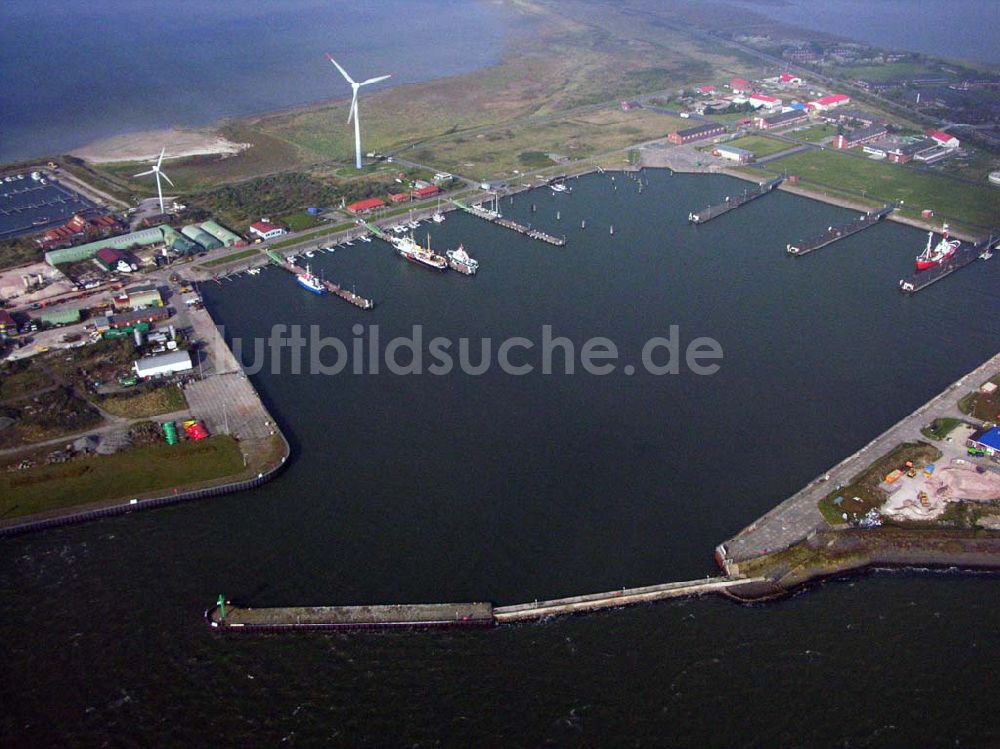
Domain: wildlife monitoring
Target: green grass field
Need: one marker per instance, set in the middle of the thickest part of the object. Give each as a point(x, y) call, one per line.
point(950, 199)
point(761, 145)
point(893, 71)
point(231, 258)
point(814, 134)
point(300, 221)
point(120, 476)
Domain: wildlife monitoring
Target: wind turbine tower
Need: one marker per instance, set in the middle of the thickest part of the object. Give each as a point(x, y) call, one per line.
point(354, 106)
point(156, 170)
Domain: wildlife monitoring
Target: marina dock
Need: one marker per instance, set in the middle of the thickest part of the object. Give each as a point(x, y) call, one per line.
point(963, 256)
point(731, 203)
point(349, 296)
point(444, 615)
point(495, 218)
point(834, 233)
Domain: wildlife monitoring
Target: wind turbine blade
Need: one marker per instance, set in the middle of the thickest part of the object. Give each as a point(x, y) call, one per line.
point(160, 160)
point(375, 80)
point(143, 174)
point(167, 179)
point(342, 71)
point(354, 108)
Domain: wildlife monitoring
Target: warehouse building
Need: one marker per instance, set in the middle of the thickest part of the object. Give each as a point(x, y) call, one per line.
point(228, 238)
point(687, 135)
point(196, 234)
point(143, 238)
point(139, 297)
point(987, 440)
point(59, 317)
point(765, 101)
point(163, 365)
point(732, 153)
point(829, 102)
point(130, 318)
point(179, 243)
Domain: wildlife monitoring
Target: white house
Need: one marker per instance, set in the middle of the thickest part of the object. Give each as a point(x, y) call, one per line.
point(266, 230)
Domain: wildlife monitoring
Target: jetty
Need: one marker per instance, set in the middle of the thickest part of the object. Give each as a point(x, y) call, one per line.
point(965, 255)
point(731, 203)
point(447, 615)
point(835, 233)
point(356, 299)
point(494, 217)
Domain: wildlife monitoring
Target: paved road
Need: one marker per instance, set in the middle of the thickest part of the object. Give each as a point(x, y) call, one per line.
point(798, 516)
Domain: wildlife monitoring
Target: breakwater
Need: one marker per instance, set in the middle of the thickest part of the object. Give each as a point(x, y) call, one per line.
point(436, 615)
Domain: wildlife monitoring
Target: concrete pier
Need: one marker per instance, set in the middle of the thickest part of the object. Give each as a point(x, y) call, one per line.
point(730, 203)
point(835, 233)
point(963, 256)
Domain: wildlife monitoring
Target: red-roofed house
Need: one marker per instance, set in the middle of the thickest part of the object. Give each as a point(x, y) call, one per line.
point(399, 197)
point(363, 206)
point(945, 139)
point(113, 260)
point(706, 89)
point(266, 230)
point(829, 102)
point(425, 192)
point(763, 100)
point(739, 86)
point(788, 79)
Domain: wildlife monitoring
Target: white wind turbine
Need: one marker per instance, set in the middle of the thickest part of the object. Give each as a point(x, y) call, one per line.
point(156, 170)
point(354, 107)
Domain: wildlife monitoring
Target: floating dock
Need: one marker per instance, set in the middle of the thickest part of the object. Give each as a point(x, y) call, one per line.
point(834, 233)
point(495, 218)
point(729, 204)
point(963, 256)
point(443, 615)
point(349, 296)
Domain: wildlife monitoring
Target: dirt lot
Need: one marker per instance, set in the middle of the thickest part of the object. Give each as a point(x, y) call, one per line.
point(12, 287)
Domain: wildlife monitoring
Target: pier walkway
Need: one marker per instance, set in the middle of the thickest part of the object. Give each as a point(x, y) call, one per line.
point(495, 218)
point(963, 256)
point(335, 289)
point(798, 516)
point(834, 233)
point(730, 203)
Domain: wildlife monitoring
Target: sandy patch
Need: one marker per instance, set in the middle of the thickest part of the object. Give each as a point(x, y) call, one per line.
point(146, 146)
point(45, 282)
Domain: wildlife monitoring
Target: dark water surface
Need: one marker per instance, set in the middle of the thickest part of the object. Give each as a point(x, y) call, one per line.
point(75, 71)
point(508, 488)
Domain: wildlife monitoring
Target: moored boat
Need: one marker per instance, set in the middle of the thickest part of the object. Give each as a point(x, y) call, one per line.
point(940, 253)
point(458, 259)
point(309, 282)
